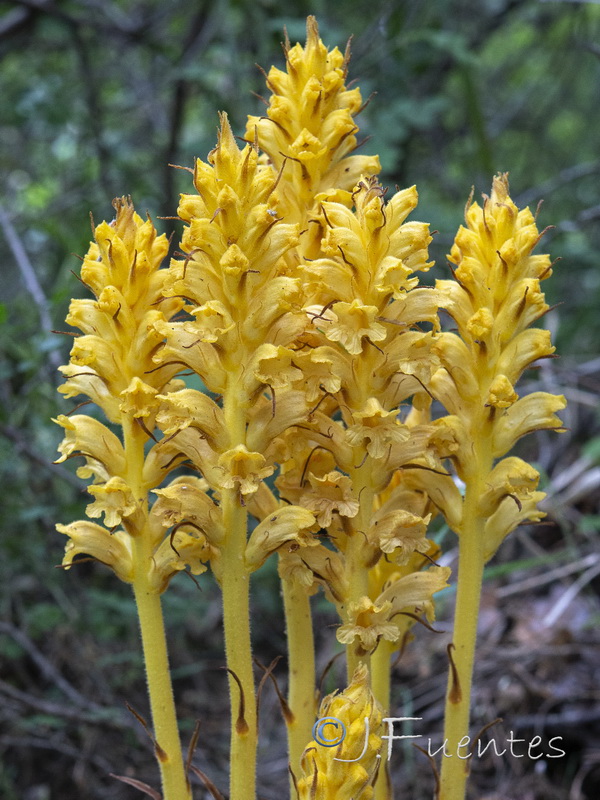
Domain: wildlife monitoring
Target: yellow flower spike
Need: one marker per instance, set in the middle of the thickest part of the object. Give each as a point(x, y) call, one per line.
point(365, 309)
point(308, 135)
point(308, 131)
point(245, 310)
point(346, 771)
point(495, 297)
point(112, 363)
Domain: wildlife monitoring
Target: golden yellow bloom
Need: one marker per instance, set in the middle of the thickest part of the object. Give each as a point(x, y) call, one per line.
point(112, 549)
point(352, 776)
point(375, 429)
point(114, 499)
point(365, 308)
point(308, 131)
point(494, 298)
point(243, 469)
point(185, 500)
point(88, 437)
point(122, 269)
point(112, 363)
point(351, 323)
point(400, 532)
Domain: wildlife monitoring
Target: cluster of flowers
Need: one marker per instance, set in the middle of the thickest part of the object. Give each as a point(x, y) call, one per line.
point(295, 300)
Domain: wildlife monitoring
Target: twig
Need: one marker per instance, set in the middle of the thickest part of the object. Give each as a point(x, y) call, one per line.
point(571, 593)
point(30, 279)
point(47, 669)
point(108, 716)
point(557, 182)
point(547, 577)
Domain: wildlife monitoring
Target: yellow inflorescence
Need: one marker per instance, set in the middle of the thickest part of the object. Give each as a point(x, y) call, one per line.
point(364, 323)
point(309, 132)
point(348, 770)
point(243, 315)
point(494, 299)
point(295, 301)
point(112, 363)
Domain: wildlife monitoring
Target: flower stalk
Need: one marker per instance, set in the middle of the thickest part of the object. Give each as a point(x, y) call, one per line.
point(109, 363)
point(309, 134)
point(494, 299)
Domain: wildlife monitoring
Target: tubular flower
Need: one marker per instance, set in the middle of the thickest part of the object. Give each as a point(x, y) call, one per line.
point(493, 300)
point(308, 131)
point(352, 776)
point(408, 591)
point(112, 364)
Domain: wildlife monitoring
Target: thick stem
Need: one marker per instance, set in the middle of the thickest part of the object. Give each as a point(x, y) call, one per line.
point(455, 768)
point(235, 584)
point(301, 666)
point(175, 785)
point(381, 687)
point(168, 750)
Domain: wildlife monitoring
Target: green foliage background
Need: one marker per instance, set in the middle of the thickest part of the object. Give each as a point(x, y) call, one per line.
point(96, 100)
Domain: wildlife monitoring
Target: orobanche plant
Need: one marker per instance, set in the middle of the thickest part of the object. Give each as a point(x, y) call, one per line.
point(295, 299)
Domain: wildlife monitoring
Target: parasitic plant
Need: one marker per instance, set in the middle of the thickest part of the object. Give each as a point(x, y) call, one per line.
point(294, 301)
point(111, 364)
